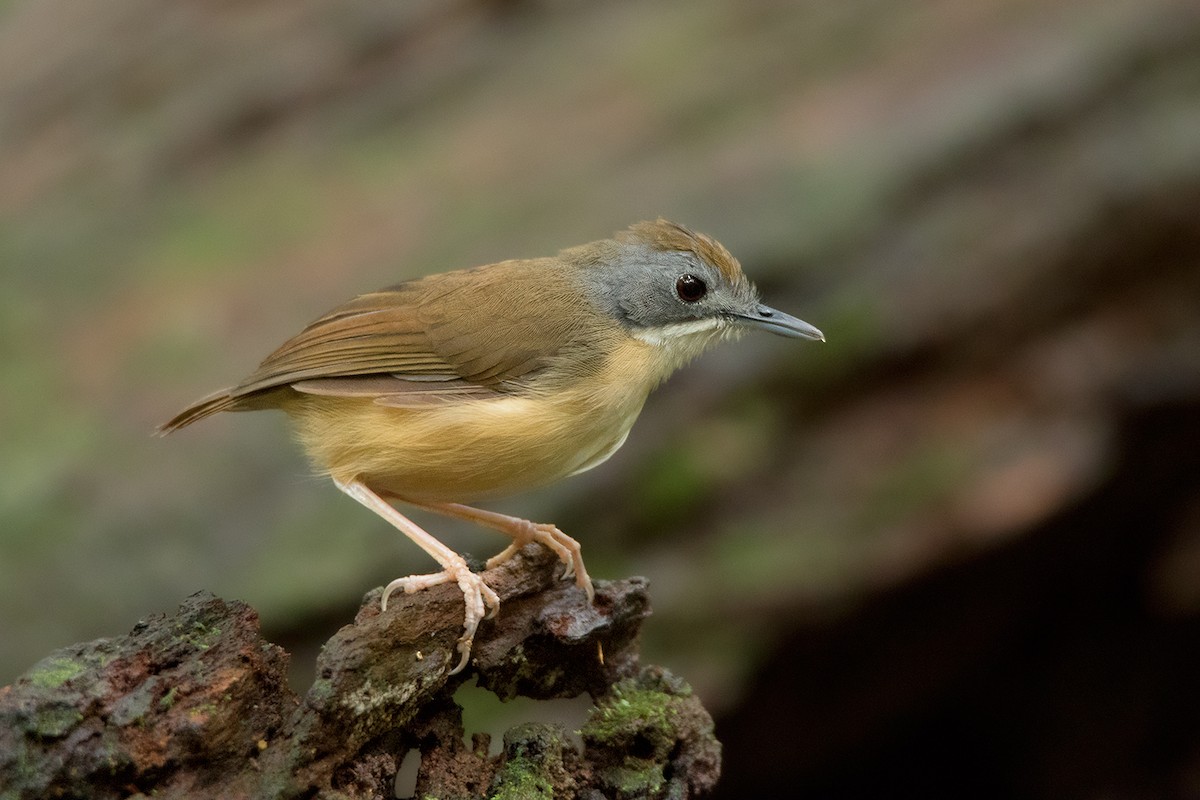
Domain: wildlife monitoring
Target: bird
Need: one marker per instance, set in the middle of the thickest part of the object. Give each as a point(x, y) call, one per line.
point(465, 386)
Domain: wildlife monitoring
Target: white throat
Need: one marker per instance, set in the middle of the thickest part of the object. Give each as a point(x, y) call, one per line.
point(661, 334)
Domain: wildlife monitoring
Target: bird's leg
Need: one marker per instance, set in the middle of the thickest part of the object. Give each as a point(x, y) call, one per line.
point(522, 532)
point(478, 596)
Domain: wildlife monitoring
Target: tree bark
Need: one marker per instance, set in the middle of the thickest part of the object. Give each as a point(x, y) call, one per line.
point(197, 704)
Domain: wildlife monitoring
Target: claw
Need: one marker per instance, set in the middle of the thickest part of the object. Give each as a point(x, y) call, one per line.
point(504, 555)
point(414, 583)
point(481, 602)
point(572, 557)
point(563, 546)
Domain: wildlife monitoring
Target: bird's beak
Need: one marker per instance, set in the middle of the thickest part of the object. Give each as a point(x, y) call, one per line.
point(769, 319)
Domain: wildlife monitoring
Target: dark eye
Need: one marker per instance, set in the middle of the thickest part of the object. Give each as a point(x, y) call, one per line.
point(690, 288)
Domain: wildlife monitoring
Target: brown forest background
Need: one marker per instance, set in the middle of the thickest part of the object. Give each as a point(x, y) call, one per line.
point(956, 549)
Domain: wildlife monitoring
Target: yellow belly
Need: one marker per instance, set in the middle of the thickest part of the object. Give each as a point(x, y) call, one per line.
point(461, 451)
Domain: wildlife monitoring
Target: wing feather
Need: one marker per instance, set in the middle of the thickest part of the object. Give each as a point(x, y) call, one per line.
point(443, 337)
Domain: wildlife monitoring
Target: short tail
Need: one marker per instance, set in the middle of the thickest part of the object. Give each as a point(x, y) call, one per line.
point(204, 407)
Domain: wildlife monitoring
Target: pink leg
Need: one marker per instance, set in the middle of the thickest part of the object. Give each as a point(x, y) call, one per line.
point(522, 532)
point(479, 597)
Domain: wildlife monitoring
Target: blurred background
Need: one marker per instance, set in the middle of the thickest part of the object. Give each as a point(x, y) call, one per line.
point(954, 550)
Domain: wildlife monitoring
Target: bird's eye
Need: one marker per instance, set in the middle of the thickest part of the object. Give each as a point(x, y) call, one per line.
point(690, 288)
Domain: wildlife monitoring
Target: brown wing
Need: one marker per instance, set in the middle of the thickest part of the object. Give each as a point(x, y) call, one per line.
point(472, 333)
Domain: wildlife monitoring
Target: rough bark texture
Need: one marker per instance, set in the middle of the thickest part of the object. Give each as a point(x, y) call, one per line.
point(197, 704)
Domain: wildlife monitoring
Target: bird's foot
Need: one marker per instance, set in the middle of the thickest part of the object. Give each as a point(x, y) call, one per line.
point(481, 600)
point(563, 546)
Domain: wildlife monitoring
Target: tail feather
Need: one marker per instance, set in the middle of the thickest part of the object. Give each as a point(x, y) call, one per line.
point(204, 407)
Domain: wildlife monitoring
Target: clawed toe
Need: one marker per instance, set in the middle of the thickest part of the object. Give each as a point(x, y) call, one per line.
point(413, 583)
point(481, 602)
point(563, 546)
point(572, 557)
point(490, 599)
point(504, 555)
point(568, 570)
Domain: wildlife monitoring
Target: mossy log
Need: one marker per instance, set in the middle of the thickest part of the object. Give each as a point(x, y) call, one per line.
point(197, 704)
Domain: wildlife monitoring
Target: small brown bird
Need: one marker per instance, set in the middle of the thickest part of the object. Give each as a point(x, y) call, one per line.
point(484, 382)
